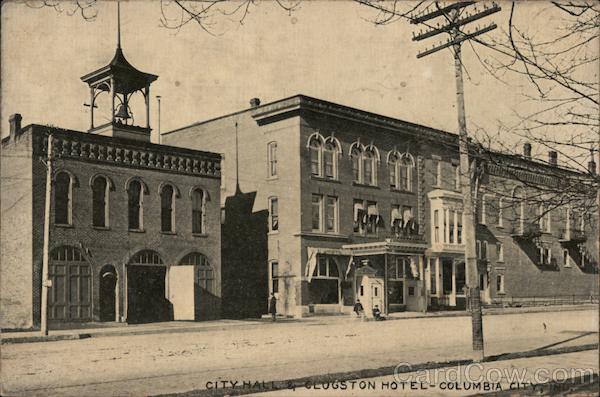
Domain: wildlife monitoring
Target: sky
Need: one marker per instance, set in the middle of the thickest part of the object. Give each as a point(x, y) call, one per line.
point(325, 49)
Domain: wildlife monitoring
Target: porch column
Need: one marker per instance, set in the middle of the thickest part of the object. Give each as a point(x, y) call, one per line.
point(125, 291)
point(118, 298)
point(447, 226)
point(455, 229)
point(385, 283)
point(428, 275)
point(437, 276)
point(453, 297)
point(422, 279)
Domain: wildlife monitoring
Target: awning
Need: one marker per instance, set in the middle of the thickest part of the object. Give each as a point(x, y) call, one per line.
point(358, 211)
point(312, 252)
point(372, 210)
point(395, 216)
point(407, 216)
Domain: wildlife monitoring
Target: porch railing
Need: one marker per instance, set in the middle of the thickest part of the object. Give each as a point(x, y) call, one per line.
point(526, 230)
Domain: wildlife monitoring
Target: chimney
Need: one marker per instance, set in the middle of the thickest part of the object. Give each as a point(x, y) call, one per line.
point(553, 157)
point(254, 102)
point(15, 125)
point(527, 150)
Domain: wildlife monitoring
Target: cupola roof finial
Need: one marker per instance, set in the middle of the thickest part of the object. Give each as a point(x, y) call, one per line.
point(118, 24)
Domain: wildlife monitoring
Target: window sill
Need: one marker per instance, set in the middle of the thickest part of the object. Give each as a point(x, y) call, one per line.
point(500, 261)
point(100, 227)
point(323, 235)
point(364, 235)
point(501, 293)
point(395, 190)
point(364, 185)
point(136, 231)
point(273, 178)
point(199, 234)
point(168, 233)
point(324, 179)
point(64, 225)
point(273, 233)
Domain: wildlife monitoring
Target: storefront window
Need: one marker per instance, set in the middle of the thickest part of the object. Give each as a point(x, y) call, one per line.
point(460, 278)
point(324, 285)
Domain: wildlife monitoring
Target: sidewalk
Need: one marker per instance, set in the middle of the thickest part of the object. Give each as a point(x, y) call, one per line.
point(94, 330)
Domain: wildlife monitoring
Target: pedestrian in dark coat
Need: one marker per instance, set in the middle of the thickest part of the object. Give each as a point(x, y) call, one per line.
point(358, 308)
point(273, 306)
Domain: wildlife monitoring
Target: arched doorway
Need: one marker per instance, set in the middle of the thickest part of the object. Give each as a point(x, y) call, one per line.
point(70, 295)
point(108, 299)
point(146, 301)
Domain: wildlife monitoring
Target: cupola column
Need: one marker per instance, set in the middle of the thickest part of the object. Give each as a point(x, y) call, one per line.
point(147, 98)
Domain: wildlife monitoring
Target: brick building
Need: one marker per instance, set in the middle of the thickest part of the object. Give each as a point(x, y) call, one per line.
point(365, 206)
point(134, 226)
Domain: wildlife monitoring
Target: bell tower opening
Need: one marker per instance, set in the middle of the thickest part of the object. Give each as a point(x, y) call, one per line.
point(124, 84)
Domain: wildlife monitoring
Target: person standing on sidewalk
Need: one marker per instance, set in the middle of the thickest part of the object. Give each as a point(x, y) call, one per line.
point(358, 308)
point(273, 306)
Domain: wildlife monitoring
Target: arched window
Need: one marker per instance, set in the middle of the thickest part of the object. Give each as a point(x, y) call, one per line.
point(364, 163)
point(70, 297)
point(315, 146)
point(203, 272)
point(146, 257)
point(368, 168)
point(324, 156)
point(330, 157)
point(63, 199)
point(135, 205)
point(167, 218)
point(100, 190)
point(198, 198)
point(393, 164)
point(356, 157)
point(405, 172)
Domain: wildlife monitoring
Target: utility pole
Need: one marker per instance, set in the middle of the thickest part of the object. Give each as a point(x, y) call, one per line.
point(452, 18)
point(46, 283)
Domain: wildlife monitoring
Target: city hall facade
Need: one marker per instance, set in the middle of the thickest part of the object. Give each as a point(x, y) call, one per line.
point(363, 206)
point(134, 227)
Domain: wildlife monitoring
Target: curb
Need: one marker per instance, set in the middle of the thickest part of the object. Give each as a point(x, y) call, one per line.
point(40, 338)
point(270, 386)
point(125, 332)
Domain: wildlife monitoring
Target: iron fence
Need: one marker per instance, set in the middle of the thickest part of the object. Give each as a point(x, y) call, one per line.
point(548, 300)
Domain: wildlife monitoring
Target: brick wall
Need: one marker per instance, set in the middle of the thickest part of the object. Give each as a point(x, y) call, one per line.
point(16, 234)
point(114, 245)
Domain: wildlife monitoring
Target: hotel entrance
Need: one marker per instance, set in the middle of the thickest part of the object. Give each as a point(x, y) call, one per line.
point(447, 281)
point(388, 274)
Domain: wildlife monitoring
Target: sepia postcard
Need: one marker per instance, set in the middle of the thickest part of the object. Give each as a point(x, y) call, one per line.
point(299, 198)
